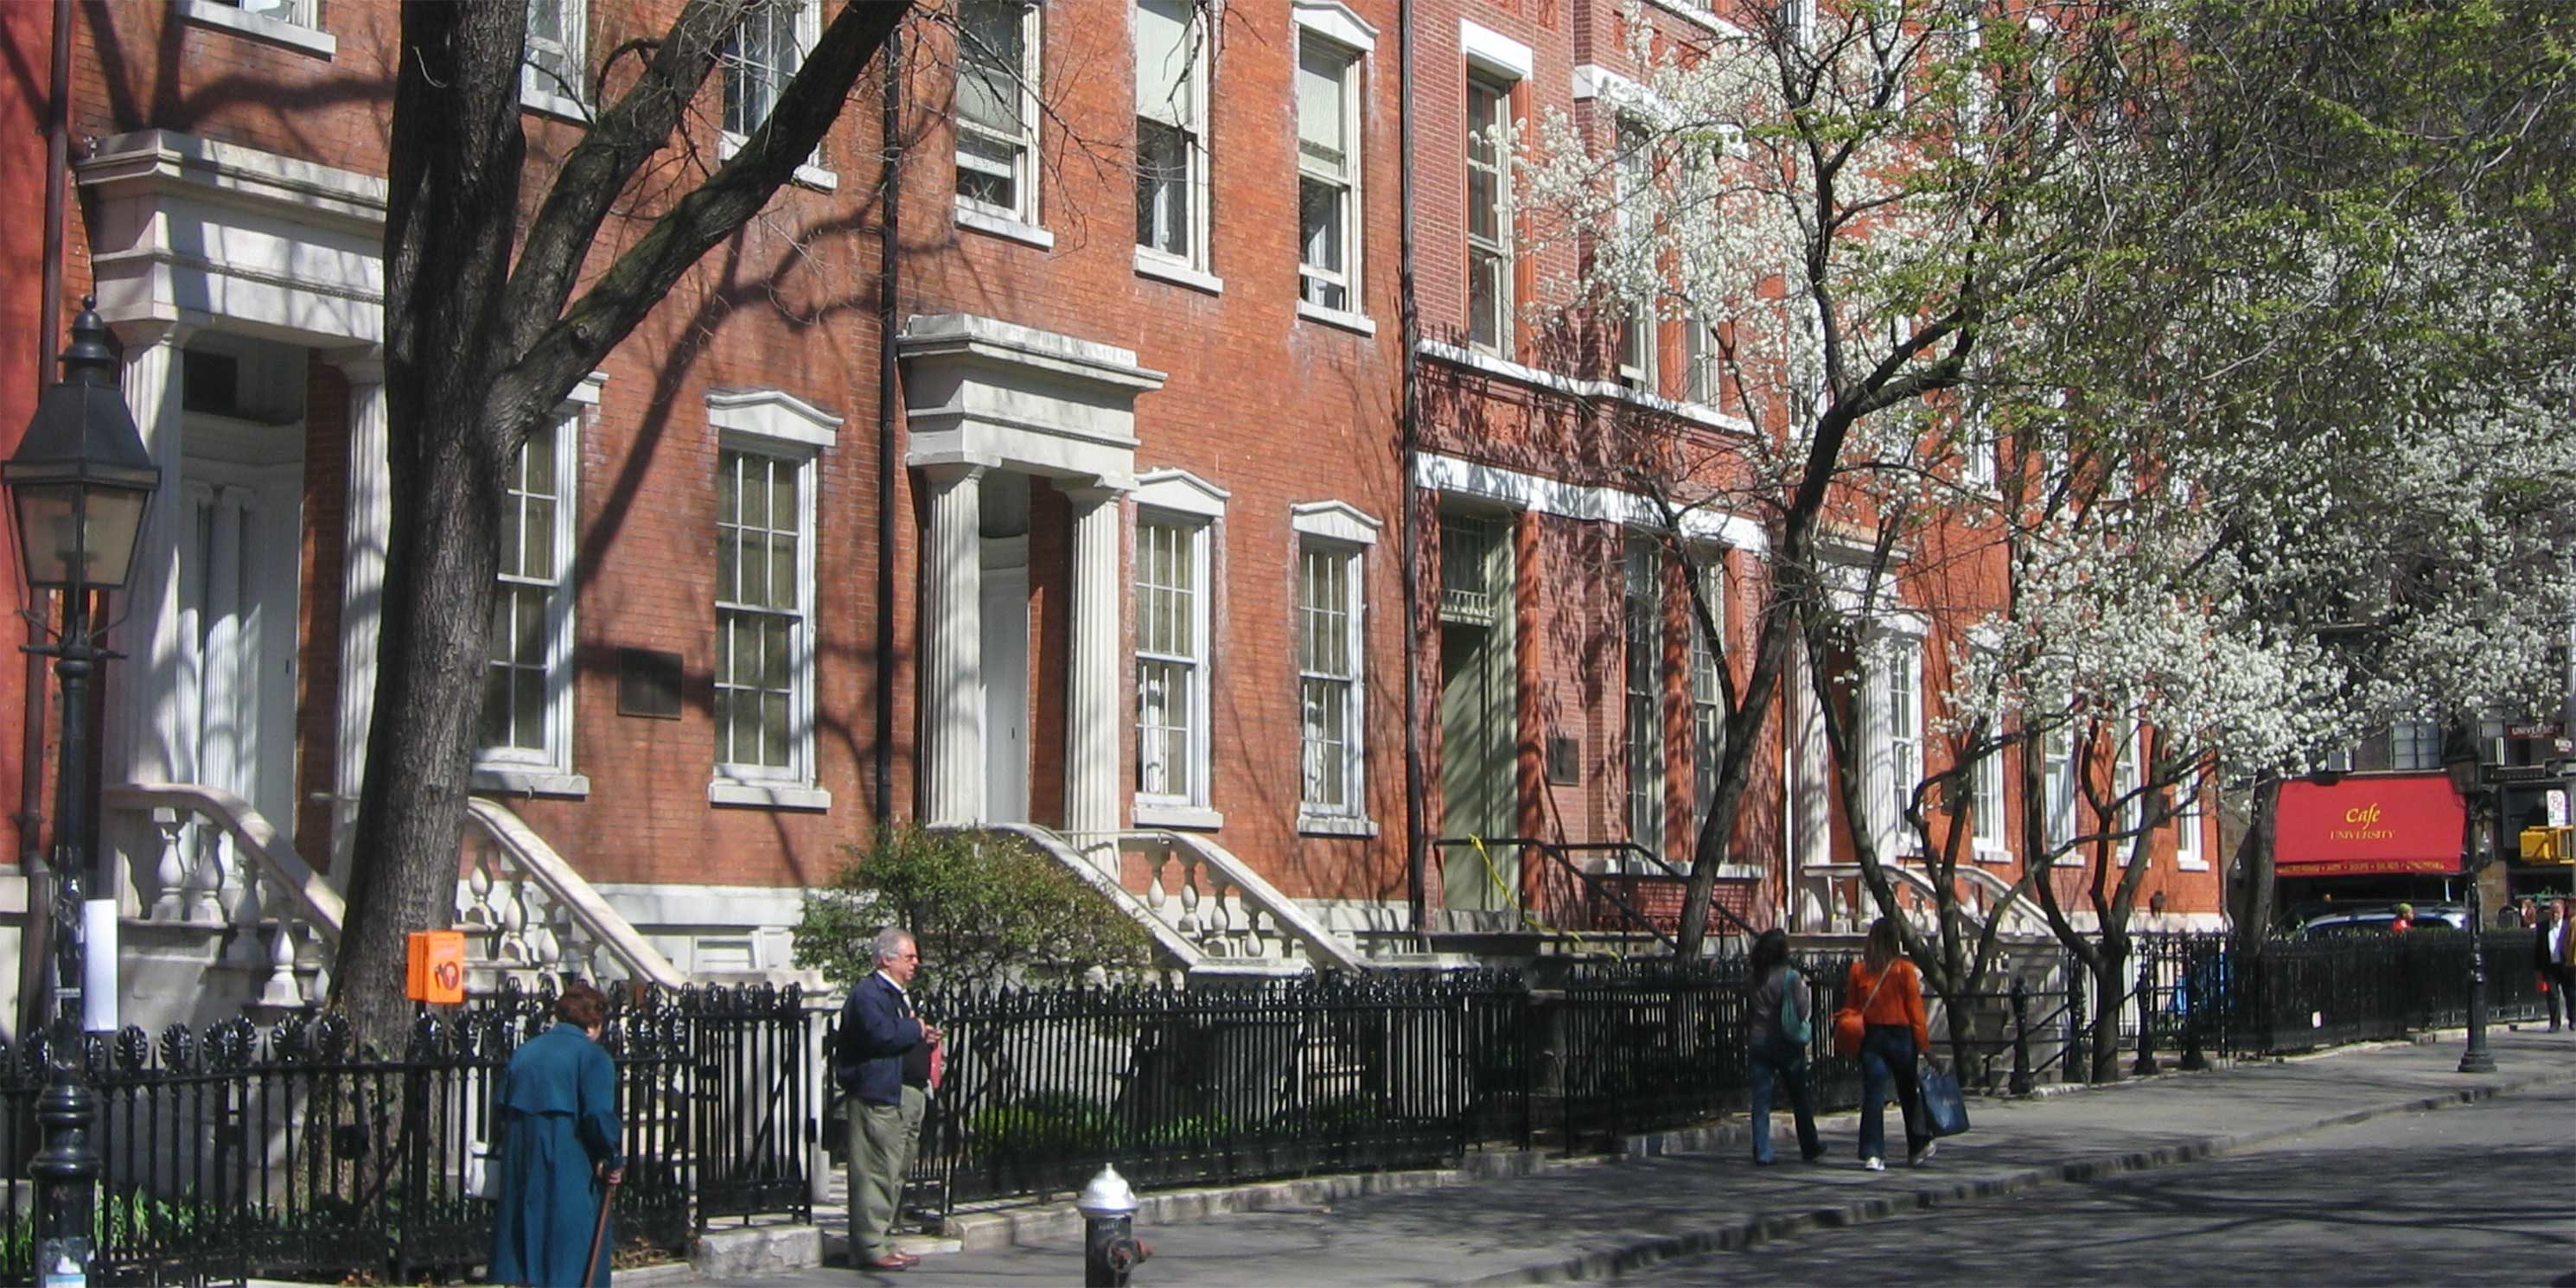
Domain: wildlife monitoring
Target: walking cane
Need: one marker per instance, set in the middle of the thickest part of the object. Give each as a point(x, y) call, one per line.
point(599, 1232)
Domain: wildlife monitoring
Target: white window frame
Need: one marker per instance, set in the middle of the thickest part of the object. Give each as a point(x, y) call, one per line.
point(1334, 31)
point(546, 770)
point(296, 24)
point(1632, 167)
point(1332, 530)
point(809, 31)
point(543, 90)
point(1022, 213)
point(778, 426)
point(1990, 829)
point(1900, 710)
point(2127, 781)
point(1502, 314)
point(1707, 696)
point(1192, 805)
point(1188, 115)
point(2190, 801)
point(2058, 765)
point(1641, 562)
point(1702, 376)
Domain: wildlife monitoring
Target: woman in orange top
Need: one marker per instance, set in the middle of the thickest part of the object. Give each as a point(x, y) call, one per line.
point(1889, 992)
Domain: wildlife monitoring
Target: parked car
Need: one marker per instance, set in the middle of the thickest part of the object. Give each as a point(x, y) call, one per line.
point(2375, 920)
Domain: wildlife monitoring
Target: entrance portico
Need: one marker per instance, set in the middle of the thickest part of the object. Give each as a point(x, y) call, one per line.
point(992, 409)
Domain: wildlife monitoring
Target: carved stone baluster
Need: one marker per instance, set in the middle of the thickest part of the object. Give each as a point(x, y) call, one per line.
point(512, 947)
point(473, 909)
point(1188, 922)
point(170, 871)
point(546, 951)
point(248, 913)
point(1217, 926)
point(1157, 899)
point(281, 988)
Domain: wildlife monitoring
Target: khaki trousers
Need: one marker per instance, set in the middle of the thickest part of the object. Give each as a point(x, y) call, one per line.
point(882, 1139)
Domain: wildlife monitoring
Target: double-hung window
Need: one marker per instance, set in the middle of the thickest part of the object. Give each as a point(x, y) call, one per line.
point(1171, 661)
point(2057, 750)
point(1328, 677)
point(1328, 172)
point(1637, 314)
point(1708, 694)
point(525, 738)
point(762, 57)
point(1644, 565)
point(997, 109)
point(2415, 744)
point(551, 72)
point(1171, 132)
point(1904, 662)
point(1700, 361)
point(1489, 215)
point(2125, 783)
point(2190, 851)
point(1988, 826)
point(764, 626)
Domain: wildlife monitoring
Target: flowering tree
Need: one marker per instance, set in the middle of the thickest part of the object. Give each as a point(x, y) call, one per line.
point(1837, 206)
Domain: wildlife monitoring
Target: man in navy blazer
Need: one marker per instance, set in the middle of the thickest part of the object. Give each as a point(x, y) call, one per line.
point(881, 1045)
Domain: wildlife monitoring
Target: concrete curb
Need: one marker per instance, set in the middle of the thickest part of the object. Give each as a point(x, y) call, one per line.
point(1644, 1252)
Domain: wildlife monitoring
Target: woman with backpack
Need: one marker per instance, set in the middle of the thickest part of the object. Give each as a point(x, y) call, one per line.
point(1887, 992)
point(1778, 1027)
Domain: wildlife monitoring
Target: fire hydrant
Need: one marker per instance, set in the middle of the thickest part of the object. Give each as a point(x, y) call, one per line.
point(1110, 1247)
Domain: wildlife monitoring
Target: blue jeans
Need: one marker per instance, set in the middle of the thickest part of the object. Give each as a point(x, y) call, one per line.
point(1887, 1055)
point(1767, 1065)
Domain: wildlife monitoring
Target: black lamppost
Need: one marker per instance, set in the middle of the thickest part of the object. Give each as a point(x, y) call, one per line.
point(2460, 761)
point(77, 487)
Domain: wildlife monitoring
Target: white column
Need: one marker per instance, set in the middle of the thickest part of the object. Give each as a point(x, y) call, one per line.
point(1091, 688)
point(952, 612)
point(1808, 809)
point(143, 692)
point(367, 519)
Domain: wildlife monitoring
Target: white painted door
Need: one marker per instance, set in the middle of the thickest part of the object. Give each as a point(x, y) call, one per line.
point(1005, 673)
point(238, 545)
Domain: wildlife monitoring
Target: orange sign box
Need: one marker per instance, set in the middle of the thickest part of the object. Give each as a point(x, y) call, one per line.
point(437, 973)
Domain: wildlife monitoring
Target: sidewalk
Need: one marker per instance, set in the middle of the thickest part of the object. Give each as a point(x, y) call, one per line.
point(1591, 1218)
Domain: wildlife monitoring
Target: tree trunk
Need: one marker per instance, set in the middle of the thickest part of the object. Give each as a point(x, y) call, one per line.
point(2250, 893)
point(2110, 987)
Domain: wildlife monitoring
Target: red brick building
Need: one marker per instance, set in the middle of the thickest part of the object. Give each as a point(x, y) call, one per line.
point(1200, 331)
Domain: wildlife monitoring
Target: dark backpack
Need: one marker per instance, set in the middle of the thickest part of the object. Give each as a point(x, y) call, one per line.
point(1795, 1025)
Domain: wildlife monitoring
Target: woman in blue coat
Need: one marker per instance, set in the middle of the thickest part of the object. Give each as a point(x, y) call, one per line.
point(558, 1114)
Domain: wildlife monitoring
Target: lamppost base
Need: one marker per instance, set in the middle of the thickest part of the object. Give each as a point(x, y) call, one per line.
point(2477, 1062)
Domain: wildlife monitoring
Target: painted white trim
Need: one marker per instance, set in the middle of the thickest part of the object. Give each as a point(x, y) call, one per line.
point(1493, 52)
point(1170, 268)
point(517, 769)
point(975, 217)
point(1342, 318)
point(772, 414)
point(1335, 824)
point(519, 780)
point(1592, 80)
point(1488, 364)
point(1688, 12)
point(1149, 812)
point(1565, 500)
point(1335, 22)
point(1178, 491)
point(1334, 521)
point(807, 175)
point(727, 791)
point(312, 40)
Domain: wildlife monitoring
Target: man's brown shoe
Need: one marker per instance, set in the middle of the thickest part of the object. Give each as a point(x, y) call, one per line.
point(889, 1262)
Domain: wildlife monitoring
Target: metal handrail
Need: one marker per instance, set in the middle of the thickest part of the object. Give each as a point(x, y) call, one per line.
point(570, 892)
point(316, 901)
point(1561, 852)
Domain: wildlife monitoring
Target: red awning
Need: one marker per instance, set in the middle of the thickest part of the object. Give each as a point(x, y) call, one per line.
point(2376, 823)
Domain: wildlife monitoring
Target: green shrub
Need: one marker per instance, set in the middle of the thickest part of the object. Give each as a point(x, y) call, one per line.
point(1049, 1123)
point(984, 908)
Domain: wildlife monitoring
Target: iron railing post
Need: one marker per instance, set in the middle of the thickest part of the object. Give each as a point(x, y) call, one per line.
point(2146, 1063)
point(2021, 1084)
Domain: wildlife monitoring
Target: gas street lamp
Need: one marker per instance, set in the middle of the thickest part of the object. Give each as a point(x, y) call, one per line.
point(2460, 761)
point(78, 486)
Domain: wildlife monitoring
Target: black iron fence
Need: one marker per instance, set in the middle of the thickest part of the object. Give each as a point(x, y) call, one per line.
point(2194, 992)
point(292, 1152)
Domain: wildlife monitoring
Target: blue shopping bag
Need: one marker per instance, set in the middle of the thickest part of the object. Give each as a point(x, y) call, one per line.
point(1943, 1105)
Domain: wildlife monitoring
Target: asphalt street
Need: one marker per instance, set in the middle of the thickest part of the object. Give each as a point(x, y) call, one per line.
point(2473, 1194)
